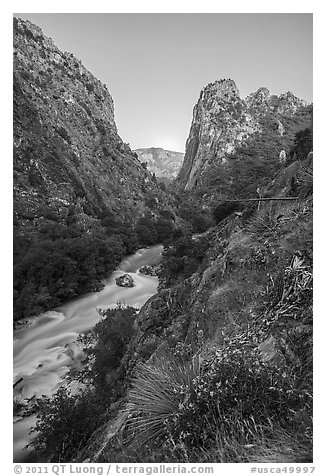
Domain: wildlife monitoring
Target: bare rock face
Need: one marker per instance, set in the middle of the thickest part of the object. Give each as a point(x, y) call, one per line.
point(66, 145)
point(219, 122)
point(163, 163)
point(223, 122)
point(126, 281)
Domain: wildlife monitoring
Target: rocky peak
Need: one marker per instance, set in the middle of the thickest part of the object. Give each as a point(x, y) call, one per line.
point(258, 99)
point(219, 122)
point(287, 103)
point(225, 89)
point(222, 122)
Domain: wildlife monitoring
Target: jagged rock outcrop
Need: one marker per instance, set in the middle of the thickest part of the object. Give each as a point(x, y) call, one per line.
point(66, 146)
point(163, 163)
point(223, 122)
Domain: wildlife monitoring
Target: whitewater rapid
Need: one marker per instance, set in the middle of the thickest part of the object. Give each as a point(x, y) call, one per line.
point(43, 351)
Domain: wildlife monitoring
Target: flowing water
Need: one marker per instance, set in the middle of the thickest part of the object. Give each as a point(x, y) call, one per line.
point(43, 352)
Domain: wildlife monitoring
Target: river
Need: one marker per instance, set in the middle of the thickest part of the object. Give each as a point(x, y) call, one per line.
point(43, 352)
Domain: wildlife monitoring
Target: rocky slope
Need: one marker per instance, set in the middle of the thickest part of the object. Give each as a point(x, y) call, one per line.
point(248, 306)
point(164, 163)
point(66, 144)
point(223, 124)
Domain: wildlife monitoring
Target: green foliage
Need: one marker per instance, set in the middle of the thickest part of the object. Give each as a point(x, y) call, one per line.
point(104, 346)
point(72, 257)
point(146, 231)
point(64, 424)
point(181, 258)
point(223, 210)
point(61, 263)
point(67, 420)
point(164, 229)
point(303, 144)
point(234, 398)
point(199, 218)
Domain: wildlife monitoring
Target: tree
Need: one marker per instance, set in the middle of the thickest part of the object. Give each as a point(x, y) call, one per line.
point(303, 144)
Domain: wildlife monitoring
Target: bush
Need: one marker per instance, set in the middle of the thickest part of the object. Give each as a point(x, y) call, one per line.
point(64, 424)
point(199, 218)
point(303, 144)
point(146, 231)
point(164, 229)
point(224, 210)
point(104, 346)
point(241, 402)
point(181, 258)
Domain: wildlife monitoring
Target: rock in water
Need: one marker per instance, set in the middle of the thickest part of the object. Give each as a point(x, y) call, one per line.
point(148, 271)
point(125, 281)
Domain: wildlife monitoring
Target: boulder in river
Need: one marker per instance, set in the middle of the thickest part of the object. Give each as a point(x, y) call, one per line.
point(126, 281)
point(148, 271)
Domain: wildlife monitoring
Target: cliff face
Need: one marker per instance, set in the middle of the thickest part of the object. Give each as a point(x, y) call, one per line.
point(66, 144)
point(163, 163)
point(223, 122)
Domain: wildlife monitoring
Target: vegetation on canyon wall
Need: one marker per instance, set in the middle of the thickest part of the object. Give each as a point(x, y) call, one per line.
point(217, 366)
point(82, 199)
point(227, 377)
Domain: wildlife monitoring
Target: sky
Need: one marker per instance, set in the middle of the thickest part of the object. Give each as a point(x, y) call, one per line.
point(155, 65)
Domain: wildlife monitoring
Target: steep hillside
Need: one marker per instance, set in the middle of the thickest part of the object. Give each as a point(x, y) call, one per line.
point(231, 344)
point(82, 199)
point(217, 366)
point(164, 163)
point(66, 144)
point(235, 144)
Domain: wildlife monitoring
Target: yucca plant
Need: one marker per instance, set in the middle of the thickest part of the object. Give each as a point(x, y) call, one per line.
point(158, 392)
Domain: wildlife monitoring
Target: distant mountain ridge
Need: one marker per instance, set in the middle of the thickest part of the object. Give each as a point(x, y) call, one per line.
point(164, 163)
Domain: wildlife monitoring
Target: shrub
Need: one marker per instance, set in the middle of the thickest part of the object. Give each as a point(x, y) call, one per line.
point(104, 346)
point(64, 424)
point(303, 144)
point(146, 231)
point(199, 218)
point(237, 405)
point(224, 210)
point(181, 257)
